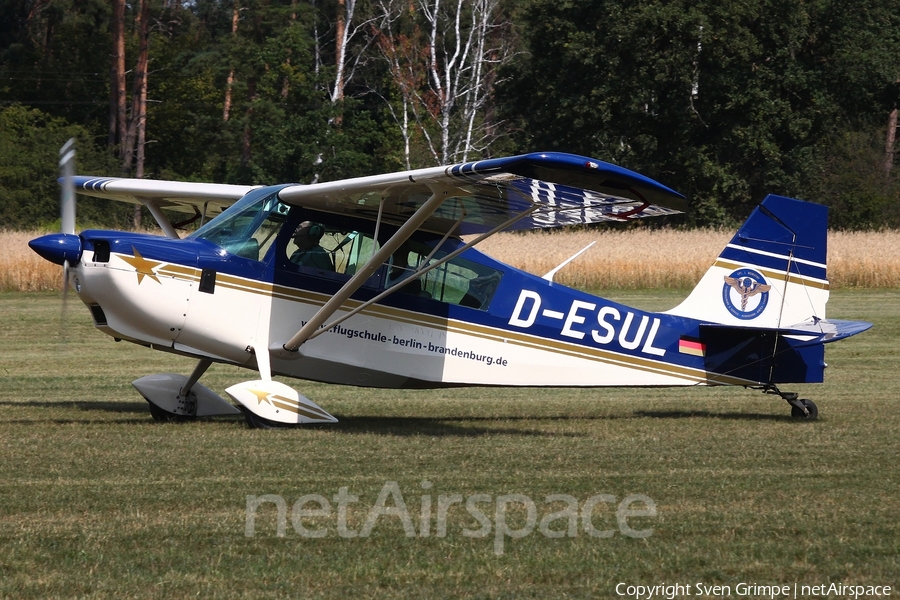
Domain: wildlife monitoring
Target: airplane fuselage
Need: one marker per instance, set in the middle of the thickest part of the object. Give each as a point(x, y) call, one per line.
point(193, 298)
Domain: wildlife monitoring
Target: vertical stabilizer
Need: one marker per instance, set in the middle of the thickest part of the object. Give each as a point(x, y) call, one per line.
point(771, 274)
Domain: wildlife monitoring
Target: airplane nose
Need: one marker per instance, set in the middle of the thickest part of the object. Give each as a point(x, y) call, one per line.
point(58, 247)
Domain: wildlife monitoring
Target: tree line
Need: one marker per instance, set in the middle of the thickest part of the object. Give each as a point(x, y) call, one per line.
point(723, 101)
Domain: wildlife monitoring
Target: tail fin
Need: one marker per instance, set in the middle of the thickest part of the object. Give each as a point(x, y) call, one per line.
point(771, 274)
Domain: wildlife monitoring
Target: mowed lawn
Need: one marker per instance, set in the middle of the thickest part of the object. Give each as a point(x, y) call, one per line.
point(98, 501)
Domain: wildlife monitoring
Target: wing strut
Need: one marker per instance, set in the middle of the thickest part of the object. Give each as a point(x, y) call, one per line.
point(439, 193)
point(160, 217)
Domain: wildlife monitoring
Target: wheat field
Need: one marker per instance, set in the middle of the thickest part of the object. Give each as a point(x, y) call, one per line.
point(632, 259)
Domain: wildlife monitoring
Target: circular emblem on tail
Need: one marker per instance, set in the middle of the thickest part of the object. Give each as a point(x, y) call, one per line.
point(745, 293)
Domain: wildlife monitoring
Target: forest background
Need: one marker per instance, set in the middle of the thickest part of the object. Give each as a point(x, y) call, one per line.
point(723, 101)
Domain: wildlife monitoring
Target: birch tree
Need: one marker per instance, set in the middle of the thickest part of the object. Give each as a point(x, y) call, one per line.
point(348, 29)
point(443, 59)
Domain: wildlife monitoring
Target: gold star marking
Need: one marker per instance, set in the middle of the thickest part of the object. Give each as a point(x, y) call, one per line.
point(260, 396)
point(143, 266)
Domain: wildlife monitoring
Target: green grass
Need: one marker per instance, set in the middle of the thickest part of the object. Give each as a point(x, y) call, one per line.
point(98, 501)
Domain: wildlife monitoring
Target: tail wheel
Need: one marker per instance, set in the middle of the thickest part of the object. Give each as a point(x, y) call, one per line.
point(811, 414)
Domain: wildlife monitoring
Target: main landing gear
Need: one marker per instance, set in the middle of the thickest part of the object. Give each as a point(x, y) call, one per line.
point(265, 404)
point(174, 397)
point(161, 415)
point(801, 408)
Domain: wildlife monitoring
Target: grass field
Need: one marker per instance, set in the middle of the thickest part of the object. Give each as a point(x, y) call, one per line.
point(98, 501)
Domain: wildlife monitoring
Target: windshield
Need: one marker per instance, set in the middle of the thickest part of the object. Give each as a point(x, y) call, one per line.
point(249, 227)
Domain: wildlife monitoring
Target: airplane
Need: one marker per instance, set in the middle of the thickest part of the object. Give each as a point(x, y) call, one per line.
point(375, 281)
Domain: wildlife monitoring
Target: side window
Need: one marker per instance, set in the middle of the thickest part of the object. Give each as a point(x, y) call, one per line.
point(457, 281)
point(324, 248)
point(353, 250)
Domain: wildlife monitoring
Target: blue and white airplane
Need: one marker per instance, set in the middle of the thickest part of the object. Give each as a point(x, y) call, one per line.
point(368, 282)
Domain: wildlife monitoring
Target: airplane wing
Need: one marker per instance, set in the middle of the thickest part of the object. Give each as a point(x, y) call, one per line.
point(555, 189)
point(193, 198)
point(531, 191)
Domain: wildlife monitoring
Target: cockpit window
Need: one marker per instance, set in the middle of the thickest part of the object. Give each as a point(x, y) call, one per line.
point(325, 248)
point(333, 246)
point(248, 228)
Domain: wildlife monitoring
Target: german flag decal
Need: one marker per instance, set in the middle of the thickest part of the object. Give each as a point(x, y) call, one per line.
point(691, 346)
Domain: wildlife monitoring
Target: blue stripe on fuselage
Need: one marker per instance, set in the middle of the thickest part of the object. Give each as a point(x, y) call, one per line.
point(528, 304)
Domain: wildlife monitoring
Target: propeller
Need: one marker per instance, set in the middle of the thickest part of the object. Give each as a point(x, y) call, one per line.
point(63, 248)
point(67, 221)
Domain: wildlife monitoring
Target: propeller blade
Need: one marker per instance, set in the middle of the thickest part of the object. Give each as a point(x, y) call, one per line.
point(65, 282)
point(67, 216)
point(67, 195)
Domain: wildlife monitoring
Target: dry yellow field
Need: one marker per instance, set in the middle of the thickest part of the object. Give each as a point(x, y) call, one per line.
point(633, 259)
point(23, 270)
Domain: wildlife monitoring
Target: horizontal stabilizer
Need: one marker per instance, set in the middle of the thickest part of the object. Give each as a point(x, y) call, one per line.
point(815, 330)
point(794, 354)
point(828, 331)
